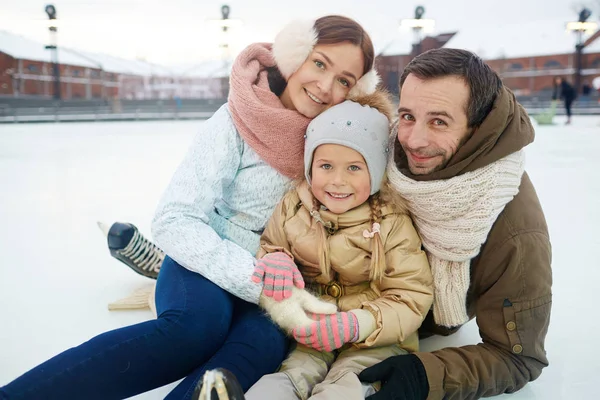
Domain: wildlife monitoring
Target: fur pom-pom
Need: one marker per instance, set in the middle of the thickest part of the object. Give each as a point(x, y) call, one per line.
point(378, 99)
point(293, 45)
point(366, 84)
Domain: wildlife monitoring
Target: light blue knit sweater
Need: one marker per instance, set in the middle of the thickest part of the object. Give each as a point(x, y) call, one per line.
point(211, 216)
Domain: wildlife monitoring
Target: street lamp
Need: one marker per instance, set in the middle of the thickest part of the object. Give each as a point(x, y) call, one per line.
point(52, 27)
point(225, 23)
point(580, 27)
point(418, 24)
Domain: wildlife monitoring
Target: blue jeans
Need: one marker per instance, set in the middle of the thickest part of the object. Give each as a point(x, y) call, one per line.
point(199, 327)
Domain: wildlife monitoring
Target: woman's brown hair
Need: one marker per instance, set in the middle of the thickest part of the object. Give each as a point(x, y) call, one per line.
point(332, 29)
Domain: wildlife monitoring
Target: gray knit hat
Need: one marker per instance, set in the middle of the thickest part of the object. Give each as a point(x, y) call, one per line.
point(358, 127)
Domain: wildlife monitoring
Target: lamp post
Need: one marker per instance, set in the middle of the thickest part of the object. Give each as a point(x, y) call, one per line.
point(225, 23)
point(51, 12)
point(580, 27)
point(418, 24)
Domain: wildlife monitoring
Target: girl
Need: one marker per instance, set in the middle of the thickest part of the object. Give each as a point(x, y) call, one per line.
point(209, 223)
point(354, 246)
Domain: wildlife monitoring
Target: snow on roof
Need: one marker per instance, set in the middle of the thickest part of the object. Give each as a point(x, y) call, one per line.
point(397, 46)
point(23, 48)
point(205, 69)
point(123, 65)
point(492, 40)
point(502, 40)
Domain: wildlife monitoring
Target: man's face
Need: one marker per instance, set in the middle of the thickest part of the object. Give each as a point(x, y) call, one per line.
point(432, 121)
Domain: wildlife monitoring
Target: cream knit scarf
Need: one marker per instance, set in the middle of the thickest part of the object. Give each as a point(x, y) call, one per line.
point(453, 218)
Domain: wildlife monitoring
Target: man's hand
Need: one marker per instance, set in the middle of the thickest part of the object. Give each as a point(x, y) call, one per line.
point(279, 274)
point(328, 332)
point(402, 378)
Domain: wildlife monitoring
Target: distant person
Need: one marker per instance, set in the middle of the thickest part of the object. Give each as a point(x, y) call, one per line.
point(564, 91)
point(209, 223)
point(586, 89)
point(178, 103)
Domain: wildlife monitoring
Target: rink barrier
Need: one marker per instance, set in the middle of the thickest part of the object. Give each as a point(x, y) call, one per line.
point(132, 116)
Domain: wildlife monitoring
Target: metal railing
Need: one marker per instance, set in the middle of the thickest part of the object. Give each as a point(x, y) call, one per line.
point(101, 111)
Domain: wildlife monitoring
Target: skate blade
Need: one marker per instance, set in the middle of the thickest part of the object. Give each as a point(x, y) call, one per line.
point(104, 228)
point(213, 380)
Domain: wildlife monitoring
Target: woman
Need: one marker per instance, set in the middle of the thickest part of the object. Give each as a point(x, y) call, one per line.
point(209, 222)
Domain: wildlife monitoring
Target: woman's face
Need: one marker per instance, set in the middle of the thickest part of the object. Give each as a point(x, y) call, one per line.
point(324, 79)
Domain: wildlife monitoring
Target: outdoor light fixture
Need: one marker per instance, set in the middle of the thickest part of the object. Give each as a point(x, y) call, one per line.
point(419, 11)
point(225, 22)
point(225, 11)
point(418, 24)
point(584, 15)
point(580, 27)
point(51, 12)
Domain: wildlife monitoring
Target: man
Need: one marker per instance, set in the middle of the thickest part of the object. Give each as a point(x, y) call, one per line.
point(459, 163)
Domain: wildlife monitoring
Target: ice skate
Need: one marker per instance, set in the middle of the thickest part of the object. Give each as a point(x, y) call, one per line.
point(218, 384)
point(129, 246)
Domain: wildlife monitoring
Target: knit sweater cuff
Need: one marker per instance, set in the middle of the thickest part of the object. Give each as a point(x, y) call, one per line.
point(366, 324)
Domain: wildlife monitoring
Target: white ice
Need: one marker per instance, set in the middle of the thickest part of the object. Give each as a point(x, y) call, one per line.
point(57, 277)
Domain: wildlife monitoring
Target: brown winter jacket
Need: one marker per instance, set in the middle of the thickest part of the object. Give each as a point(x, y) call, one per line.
point(399, 303)
point(510, 293)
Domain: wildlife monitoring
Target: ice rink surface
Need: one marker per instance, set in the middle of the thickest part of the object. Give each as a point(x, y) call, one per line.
point(57, 277)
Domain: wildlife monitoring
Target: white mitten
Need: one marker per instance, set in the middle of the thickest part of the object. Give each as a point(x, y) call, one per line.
point(291, 312)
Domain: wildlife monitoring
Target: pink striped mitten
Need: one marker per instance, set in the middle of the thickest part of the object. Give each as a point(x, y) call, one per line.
point(279, 273)
point(328, 332)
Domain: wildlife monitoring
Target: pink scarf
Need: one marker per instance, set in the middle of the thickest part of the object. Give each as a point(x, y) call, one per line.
point(273, 131)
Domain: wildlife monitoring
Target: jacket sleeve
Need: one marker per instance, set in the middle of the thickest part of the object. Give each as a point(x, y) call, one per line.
point(406, 291)
point(274, 237)
point(513, 315)
point(181, 223)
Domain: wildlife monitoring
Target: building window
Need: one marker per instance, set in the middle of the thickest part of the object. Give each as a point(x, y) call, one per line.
point(33, 68)
point(76, 72)
point(552, 64)
point(516, 66)
point(95, 74)
point(596, 63)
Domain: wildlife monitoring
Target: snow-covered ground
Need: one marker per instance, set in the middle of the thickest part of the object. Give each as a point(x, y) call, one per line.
point(57, 277)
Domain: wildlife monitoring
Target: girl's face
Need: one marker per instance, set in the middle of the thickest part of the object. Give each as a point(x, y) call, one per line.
point(324, 79)
point(340, 178)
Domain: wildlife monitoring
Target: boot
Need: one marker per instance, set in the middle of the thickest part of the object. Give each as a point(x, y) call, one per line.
point(129, 246)
point(218, 384)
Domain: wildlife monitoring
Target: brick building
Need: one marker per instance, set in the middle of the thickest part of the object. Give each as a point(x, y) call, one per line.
point(527, 57)
point(26, 70)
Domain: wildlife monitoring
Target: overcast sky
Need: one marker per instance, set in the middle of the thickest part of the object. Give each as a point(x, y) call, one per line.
point(179, 31)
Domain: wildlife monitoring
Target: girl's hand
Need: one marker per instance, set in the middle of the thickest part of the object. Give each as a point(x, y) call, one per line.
point(279, 273)
point(328, 332)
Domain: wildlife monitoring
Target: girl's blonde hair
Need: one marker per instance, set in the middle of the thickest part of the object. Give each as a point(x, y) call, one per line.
point(386, 197)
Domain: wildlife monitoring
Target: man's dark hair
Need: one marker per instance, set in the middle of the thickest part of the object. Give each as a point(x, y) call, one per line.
point(484, 84)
